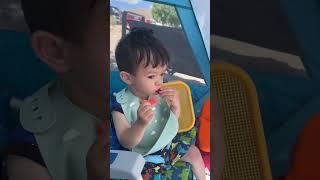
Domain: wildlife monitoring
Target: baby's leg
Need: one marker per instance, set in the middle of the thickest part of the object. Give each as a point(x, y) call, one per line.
point(193, 156)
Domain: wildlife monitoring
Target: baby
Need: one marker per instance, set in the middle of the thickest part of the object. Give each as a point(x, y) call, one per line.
point(142, 61)
point(56, 135)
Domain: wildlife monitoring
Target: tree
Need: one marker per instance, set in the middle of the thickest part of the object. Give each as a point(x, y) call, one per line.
point(113, 20)
point(165, 14)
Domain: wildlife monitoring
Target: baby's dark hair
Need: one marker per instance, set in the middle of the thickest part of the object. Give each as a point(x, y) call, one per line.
point(64, 18)
point(140, 46)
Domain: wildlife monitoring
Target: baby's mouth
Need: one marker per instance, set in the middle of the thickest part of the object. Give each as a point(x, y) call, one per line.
point(157, 91)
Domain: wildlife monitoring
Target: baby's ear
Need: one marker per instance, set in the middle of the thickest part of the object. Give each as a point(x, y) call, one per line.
point(126, 77)
point(51, 50)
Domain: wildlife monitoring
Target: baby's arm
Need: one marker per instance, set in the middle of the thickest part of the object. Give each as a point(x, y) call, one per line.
point(128, 135)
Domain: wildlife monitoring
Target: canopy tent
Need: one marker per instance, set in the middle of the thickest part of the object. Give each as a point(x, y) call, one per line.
point(193, 22)
point(196, 35)
point(187, 47)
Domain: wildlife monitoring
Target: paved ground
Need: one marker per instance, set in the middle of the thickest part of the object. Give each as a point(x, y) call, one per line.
point(250, 56)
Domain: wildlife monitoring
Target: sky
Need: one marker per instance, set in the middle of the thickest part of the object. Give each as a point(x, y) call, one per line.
point(131, 4)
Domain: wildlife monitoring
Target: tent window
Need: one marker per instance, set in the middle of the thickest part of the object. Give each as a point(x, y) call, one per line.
point(258, 38)
point(165, 23)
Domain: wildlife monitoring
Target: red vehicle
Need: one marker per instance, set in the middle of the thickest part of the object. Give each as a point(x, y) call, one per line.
point(134, 17)
point(130, 16)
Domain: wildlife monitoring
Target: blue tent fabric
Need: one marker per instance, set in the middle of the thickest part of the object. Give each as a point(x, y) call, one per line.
point(282, 104)
point(304, 17)
point(199, 94)
point(280, 97)
point(284, 139)
point(21, 72)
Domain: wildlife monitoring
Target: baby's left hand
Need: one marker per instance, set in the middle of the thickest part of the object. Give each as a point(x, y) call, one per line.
point(172, 97)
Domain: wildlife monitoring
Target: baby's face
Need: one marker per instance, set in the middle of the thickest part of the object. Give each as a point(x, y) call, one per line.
point(147, 80)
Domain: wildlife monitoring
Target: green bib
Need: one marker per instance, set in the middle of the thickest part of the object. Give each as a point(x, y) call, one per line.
point(162, 129)
point(63, 131)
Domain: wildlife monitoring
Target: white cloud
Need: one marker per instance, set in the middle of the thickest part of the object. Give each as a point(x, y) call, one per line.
point(130, 1)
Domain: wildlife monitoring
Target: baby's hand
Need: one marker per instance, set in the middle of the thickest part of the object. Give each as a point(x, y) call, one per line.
point(145, 113)
point(172, 97)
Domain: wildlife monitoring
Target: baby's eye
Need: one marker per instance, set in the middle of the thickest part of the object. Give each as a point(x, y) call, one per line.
point(162, 74)
point(151, 77)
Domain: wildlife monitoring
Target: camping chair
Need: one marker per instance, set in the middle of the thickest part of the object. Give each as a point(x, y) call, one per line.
point(245, 147)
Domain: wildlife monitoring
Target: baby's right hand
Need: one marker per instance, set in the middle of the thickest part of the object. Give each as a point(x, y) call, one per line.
point(145, 113)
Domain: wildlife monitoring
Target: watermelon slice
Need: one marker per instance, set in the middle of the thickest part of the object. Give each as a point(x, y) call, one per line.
point(153, 101)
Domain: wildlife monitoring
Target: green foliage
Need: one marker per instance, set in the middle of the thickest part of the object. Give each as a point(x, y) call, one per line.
point(165, 14)
point(113, 20)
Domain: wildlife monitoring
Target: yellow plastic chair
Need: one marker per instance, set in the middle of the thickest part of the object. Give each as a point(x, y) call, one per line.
point(187, 117)
point(245, 153)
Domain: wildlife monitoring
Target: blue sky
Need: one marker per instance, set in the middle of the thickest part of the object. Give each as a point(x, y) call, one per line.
point(131, 4)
